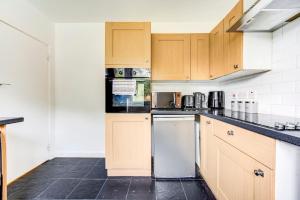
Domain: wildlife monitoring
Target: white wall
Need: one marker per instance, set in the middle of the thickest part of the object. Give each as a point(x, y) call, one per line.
point(79, 89)
point(80, 86)
point(277, 91)
point(25, 38)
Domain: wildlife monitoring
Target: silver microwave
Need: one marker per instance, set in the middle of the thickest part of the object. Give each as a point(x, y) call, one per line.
point(166, 100)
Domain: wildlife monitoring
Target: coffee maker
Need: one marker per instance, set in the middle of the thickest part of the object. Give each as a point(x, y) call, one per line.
point(216, 100)
point(199, 100)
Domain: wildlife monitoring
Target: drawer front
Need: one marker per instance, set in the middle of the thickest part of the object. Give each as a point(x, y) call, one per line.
point(259, 147)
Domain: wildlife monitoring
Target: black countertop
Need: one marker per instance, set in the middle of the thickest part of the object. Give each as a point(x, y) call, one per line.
point(253, 122)
point(260, 123)
point(10, 120)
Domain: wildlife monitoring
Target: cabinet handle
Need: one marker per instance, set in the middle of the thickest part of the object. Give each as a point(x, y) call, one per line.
point(259, 172)
point(208, 122)
point(146, 118)
point(235, 66)
point(230, 133)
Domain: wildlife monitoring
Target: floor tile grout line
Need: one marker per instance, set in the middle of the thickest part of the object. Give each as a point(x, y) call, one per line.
point(183, 190)
point(128, 188)
point(45, 189)
point(155, 189)
point(101, 188)
point(95, 165)
point(73, 189)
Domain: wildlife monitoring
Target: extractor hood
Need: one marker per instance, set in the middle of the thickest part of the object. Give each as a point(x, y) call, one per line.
point(267, 16)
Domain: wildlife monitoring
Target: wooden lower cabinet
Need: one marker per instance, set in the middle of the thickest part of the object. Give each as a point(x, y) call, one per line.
point(230, 172)
point(236, 178)
point(208, 153)
point(128, 144)
point(3, 163)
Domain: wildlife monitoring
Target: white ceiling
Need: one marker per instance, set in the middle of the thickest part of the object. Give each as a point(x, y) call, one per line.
point(192, 11)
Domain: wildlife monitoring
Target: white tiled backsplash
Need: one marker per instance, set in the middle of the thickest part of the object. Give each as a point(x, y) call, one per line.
point(186, 88)
point(277, 91)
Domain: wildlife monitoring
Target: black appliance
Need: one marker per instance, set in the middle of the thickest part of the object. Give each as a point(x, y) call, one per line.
point(199, 99)
point(127, 90)
point(216, 100)
point(188, 101)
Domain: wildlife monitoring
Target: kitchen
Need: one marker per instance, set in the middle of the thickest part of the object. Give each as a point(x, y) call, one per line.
point(55, 71)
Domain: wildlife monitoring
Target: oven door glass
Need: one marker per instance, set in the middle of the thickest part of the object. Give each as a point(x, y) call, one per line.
point(128, 95)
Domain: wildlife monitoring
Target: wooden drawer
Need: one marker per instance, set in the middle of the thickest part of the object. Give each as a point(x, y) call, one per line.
point(259, 147)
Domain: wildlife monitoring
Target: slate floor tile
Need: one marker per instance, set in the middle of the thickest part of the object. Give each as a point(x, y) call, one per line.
point(87, 189)
point(54, 171)
point(60, 189)
point(196, 190)
point(78, 171)
point(97, 172)
point(31, 189)
point(88, 161)
point(101, 161)
point(115, 189)
point(142, 188)
point(169, 190)
point(64, 161)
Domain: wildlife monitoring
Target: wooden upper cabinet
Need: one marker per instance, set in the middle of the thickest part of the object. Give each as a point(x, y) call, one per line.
point(233, 41)
point(171, 57)
point(128, 44)
point(216, 37)
point(200, 56)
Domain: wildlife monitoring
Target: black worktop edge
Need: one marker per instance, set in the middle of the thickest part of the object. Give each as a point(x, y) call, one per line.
point(257, 129)
point(6, 121)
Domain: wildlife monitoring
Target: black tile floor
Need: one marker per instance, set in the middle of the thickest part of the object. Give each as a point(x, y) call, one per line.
point(86, 178)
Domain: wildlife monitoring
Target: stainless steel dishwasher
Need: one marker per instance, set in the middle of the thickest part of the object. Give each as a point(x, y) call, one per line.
point(174, 146)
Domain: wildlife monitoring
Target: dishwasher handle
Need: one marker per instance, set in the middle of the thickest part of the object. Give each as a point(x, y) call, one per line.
point(174, 118)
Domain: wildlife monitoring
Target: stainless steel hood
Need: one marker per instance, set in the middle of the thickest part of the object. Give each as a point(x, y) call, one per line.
point(267, 16)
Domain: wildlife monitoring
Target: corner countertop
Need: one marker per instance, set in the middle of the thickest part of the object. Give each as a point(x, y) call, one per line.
point(10, 120)
point(252, 123)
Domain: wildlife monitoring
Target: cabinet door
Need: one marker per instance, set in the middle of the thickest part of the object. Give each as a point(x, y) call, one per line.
point(200, 57)
point(171, 57)
point(128, 142)
point(217, 67)
point(208, 153)
point(237, 177)
point(3, 163)
point(233, 41)
point(127, 44)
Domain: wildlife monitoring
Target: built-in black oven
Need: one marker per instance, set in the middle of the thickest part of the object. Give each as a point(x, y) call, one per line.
point(128, 90)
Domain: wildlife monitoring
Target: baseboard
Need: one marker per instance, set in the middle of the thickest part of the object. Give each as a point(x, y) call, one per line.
point(88, 154)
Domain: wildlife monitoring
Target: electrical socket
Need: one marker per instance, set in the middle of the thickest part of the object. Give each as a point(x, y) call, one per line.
point(233, 95)
point(48, 148)
point(251, 94)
